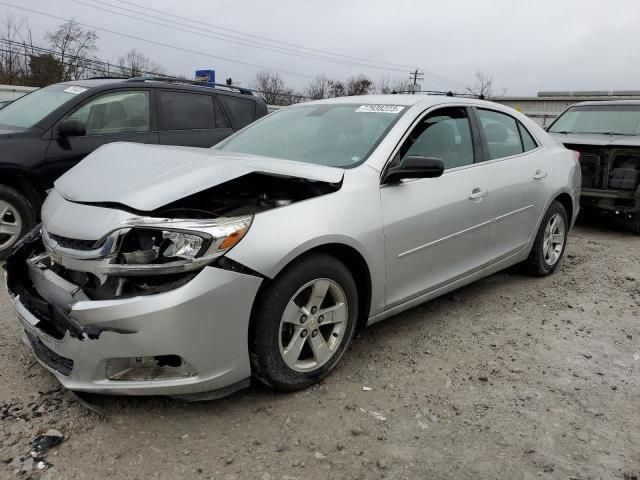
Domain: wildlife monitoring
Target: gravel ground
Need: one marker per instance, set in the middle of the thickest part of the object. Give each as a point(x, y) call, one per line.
point(511, 377)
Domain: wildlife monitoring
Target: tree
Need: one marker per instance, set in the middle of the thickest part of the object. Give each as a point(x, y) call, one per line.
point(137, 64)
point(336, 89)
point(318, 88)
point(386, 86)
point(45, 69)
point(271, 87)
point(14, 66)
point(359, 85)
point(74, 46)
point(483, 88)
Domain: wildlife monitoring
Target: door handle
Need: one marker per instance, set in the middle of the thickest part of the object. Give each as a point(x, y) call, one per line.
point(539, 175)
point(477, 193)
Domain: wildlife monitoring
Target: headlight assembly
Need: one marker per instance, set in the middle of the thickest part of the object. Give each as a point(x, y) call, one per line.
point(156, 246)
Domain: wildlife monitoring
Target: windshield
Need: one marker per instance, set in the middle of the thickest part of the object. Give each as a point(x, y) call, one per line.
point(334, 135)
point(26, 111)
point(606, 119)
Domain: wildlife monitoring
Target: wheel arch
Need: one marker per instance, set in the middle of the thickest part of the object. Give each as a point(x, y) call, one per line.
point(567, 202)
point(24, 184)
point(355, 263)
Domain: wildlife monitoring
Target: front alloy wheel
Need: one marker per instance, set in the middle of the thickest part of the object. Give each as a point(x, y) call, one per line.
point(313, 325)
point(303, 322)
point(10, 224)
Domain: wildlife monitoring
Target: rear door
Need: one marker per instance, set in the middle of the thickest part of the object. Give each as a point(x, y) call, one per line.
point(116, 116)
point(436, 229)
point(519, 171)
point(190, 119)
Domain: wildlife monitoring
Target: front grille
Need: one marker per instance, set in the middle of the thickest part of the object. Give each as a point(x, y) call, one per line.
point(73, 243)
point(49, 357)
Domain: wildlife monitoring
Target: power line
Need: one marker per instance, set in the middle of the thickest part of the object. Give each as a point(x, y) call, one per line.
point(92, 63)
point(146, 8)
point(226, 38)
point(417, 75)
point(433, 76)
point(153, 42)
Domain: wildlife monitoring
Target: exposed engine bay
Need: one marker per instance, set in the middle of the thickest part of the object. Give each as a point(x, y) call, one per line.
point(609, 168)
point(249, 194)
point(163, 249)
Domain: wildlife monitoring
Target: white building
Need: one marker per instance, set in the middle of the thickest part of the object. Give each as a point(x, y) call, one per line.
point(548, 105)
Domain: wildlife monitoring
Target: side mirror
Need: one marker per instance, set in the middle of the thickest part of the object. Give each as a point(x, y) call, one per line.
point(72, 128)
point(414, 167)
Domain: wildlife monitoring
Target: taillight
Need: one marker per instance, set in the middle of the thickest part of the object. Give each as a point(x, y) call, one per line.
point(576, 155)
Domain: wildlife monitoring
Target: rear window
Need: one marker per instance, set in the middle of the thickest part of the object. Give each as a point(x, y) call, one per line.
point(241, 111)
point(186, 111)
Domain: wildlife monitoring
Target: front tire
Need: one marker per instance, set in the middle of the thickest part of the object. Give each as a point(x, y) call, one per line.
point(550, 242)
point(17, 217)
point(303, 323)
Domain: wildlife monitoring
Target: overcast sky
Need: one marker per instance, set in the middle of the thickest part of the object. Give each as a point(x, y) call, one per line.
point(526, 46)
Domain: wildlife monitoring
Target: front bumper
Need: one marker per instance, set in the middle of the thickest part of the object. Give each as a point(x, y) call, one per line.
point(204, 323)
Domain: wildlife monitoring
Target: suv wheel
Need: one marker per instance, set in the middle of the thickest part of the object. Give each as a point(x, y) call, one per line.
point(303, 323)
point(16, 218)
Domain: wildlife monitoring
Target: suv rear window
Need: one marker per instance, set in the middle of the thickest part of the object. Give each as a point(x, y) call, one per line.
point(186, 111)
point(241, 111)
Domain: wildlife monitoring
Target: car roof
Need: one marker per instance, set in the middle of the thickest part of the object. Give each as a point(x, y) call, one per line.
point(170, 83)
point(608, 102)
point(403, 99)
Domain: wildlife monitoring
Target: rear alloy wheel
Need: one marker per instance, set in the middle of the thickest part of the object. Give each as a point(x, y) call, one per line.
point(16, 218)
point(550, 242)
point(303, 323)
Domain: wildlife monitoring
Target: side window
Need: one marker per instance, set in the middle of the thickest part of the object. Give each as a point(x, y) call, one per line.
point(527, 140)
point(443, 134)
point(118, 112)
point(221, 122)
point(241, 111)
point(501, 132)
point(185, 111)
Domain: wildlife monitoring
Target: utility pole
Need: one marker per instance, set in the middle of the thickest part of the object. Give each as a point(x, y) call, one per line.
point(415, 76)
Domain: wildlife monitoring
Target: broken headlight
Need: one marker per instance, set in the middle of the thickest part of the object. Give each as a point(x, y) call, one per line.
point(164, 246)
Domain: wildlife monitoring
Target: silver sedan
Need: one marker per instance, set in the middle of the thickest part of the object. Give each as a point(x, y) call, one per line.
point(187, 272)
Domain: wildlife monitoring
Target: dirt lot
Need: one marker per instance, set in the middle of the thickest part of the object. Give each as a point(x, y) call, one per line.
point(511, 377)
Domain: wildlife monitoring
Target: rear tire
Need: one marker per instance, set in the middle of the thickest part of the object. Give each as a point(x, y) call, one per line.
point(17, 217)
point(550, 242)
point(303, 322)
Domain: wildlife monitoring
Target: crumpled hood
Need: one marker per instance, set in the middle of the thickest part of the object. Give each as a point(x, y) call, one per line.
point(598, 139)
point(146, 177)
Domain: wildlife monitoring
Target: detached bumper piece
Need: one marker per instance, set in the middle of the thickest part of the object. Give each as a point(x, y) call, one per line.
point(188, 341)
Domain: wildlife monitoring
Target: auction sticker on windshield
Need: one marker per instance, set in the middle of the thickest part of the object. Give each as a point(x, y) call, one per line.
point(379, 109)
point(75, 89)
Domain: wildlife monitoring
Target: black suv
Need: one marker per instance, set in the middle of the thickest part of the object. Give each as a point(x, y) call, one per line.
point(48, 131)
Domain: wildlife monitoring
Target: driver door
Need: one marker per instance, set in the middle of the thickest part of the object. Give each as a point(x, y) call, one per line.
point(436, 229)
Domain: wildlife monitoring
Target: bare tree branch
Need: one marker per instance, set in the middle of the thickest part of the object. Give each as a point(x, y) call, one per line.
point(483, 88)
point(74, 45)
point(137, 64)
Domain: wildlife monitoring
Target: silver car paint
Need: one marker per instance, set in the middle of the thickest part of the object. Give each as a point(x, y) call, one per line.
point(163, 173)
point(419, 239)
point(205, 322)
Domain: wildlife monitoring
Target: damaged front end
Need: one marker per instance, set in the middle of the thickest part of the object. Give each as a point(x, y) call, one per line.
point(116, 300)
point(610, 180)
